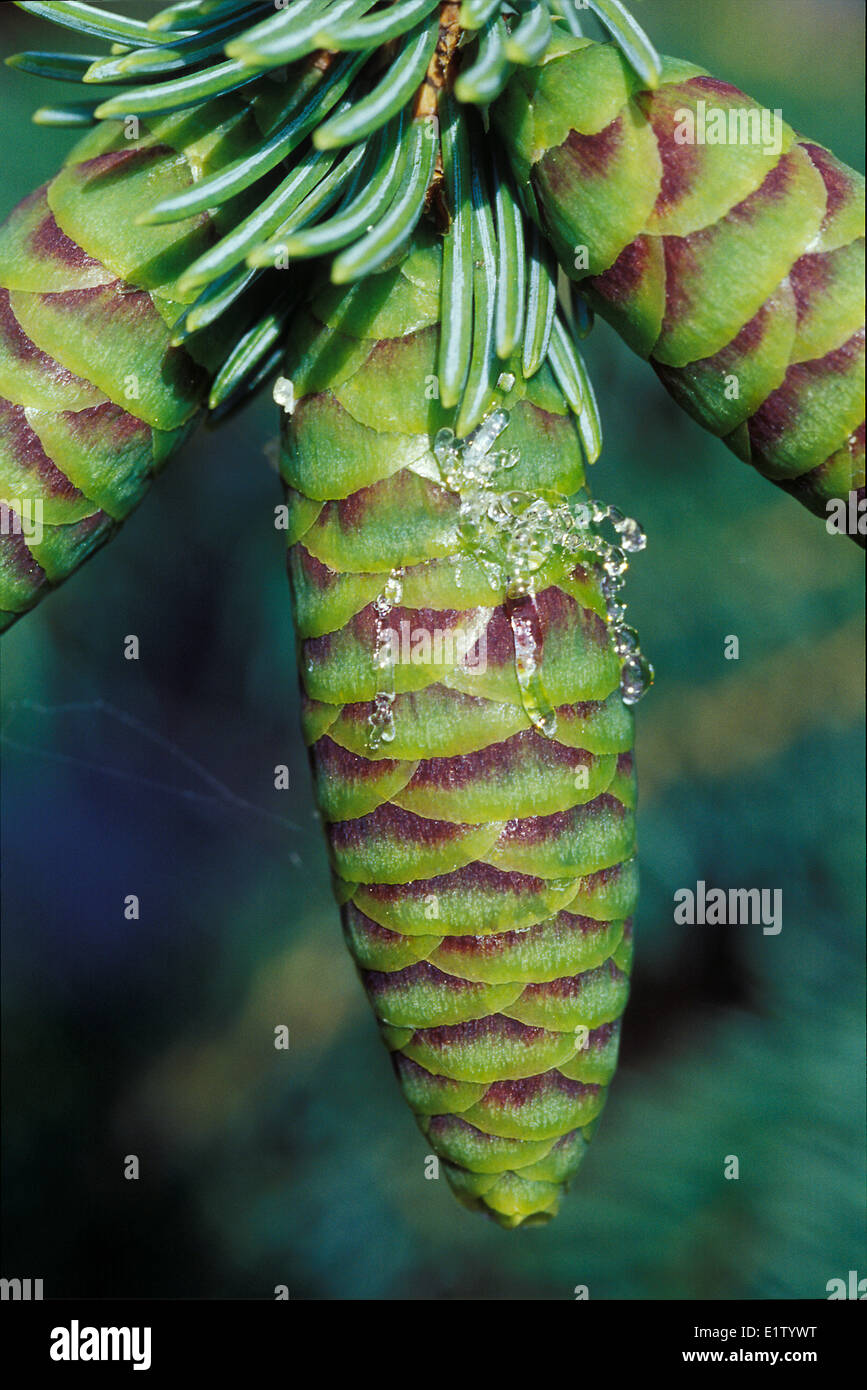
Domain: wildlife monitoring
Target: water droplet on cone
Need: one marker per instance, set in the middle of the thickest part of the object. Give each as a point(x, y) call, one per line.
point(636, 678)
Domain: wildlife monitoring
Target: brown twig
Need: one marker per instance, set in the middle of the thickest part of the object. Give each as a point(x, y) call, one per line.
point(440, 72)
point(439, 76)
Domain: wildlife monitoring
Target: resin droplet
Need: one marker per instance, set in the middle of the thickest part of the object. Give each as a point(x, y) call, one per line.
point(624, 639)
point(284, 394)
point(381, 719)
point(612, 562)
point(636, 678)
point(381, 722)
point(526, 630)
point(615, 561)
point(632, 537)
point(392, 593)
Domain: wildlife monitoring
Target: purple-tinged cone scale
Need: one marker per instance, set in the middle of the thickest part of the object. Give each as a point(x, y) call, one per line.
point(470, 745)
point(93, 396)
point(724, 248)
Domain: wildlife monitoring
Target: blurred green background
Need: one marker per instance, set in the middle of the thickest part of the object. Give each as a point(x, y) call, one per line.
point(155, 777)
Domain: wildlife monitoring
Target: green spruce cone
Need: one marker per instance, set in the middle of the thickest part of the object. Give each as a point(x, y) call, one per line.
point(470, 744)
point(93, 397)
point(736, 269)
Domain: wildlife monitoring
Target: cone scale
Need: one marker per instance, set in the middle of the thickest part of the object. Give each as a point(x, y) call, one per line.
point(470, 746)
point(724, 248)
point(93, 396)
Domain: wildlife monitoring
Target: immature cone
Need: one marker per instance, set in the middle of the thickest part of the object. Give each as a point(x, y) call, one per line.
point(736, 269)
point(478, 806)
point(93, 398)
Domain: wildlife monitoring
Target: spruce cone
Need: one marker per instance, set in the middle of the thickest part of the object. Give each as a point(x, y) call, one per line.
point(93, 398)
point(735, 268)
point(479, 797)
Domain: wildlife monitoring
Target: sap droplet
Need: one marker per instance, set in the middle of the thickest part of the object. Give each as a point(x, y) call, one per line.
point(443, 444)
point(632, 536)
point(636, 678)
point(624, 639)
point(615, 561)
point(284, 394)
point(513, 534)
point(393, 591)
point(381, 721)
point(524, 616)
point(594, 545)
